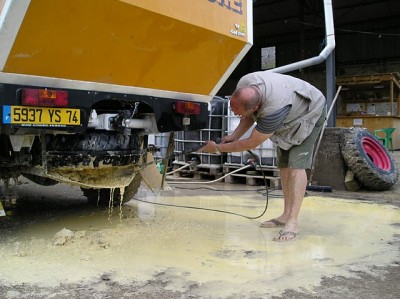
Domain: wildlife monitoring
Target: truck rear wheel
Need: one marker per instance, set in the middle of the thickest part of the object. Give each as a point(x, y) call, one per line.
point(370, 161)
point(102, 197)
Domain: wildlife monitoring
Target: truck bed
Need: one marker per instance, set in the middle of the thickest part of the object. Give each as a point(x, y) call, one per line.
point(175, 48)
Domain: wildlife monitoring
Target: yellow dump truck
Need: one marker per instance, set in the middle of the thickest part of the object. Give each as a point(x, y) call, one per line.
point(84, 82)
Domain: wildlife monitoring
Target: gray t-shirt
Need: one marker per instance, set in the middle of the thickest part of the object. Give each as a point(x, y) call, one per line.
point(272, 122)
point(279, 91)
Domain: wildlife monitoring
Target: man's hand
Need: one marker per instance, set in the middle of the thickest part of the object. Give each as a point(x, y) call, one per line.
point(228, 139)
point(209, 147)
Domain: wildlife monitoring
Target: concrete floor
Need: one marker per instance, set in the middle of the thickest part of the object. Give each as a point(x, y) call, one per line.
point(188, 252)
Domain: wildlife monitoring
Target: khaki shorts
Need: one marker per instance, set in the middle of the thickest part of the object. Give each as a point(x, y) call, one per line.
point(300, 156)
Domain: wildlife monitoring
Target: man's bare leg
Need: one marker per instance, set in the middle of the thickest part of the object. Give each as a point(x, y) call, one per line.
point(294, 182)
point(284, 173)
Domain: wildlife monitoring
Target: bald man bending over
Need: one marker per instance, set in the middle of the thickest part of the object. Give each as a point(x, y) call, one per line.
point(290, 112)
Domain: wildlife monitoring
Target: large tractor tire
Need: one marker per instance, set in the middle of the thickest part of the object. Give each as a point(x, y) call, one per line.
point(371, 163)
point(102, 197)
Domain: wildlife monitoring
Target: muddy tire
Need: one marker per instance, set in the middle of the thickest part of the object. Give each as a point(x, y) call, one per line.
point(102, 197)
point(370, 161)
point(92, 142)
point(108, 141)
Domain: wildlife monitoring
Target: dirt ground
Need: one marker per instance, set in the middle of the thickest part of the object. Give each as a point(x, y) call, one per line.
point(41, 206)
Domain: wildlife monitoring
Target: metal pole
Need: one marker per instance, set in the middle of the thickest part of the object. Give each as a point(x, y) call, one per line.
point(331, 87)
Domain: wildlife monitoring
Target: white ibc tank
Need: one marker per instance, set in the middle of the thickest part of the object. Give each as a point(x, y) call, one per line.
point(160, 140)
point(266, 151)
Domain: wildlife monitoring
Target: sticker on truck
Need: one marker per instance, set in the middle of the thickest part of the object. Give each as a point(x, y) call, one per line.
point(41, 116)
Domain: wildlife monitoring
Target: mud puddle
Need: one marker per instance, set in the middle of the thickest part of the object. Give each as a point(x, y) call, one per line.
point(203, 253)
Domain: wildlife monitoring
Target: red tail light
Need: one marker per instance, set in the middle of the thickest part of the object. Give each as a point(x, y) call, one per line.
point(188, 108)
point(44, 97)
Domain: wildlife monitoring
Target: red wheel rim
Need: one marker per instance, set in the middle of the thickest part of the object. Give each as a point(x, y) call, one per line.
point(376, 152)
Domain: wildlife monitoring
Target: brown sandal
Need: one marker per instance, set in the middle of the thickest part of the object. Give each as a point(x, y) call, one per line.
point(272, 223)
point(284, 233)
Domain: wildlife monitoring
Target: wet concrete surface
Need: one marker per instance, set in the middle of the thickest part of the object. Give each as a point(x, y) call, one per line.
point(348, 244)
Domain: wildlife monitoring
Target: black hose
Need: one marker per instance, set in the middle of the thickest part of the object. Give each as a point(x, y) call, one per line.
point(223, 211)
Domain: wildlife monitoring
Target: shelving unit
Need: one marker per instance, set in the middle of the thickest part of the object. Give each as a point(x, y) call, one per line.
point(370, 101)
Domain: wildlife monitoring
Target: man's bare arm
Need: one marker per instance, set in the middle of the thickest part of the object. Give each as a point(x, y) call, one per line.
point(244, 125)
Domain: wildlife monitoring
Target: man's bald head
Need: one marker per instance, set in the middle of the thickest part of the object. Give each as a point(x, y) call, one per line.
point(248, 97)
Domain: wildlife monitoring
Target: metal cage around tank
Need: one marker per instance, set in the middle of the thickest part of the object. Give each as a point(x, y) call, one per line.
point(160, 141)
point(265, 152)
point(216, 127)
point(221, 122)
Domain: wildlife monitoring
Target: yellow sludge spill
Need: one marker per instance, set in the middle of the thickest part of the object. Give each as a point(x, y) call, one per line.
point(223, 255)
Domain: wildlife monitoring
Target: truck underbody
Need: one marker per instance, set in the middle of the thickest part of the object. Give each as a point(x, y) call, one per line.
point(83, 83)
point(105, 151)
